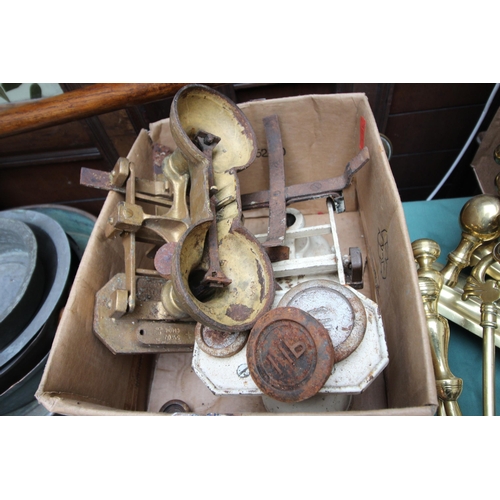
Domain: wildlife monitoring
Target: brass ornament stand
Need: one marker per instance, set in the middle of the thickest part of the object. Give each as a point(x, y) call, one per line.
point(448, 386)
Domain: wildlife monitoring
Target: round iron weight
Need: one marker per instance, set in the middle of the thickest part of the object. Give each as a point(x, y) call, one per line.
point(338, 309)
point(217, 343)
point(290, 354)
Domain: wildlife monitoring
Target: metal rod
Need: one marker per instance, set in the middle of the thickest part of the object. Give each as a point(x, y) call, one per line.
point(129, 244)
point(489, 322)
point(336, 244)
point(489, 293)
point(310, 190)
point(277, 202)
point(214, 277)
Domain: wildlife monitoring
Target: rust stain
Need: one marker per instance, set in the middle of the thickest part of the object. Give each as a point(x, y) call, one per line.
point(239, 312)
point(262, 282)
point(217, 338)
point(163, 259)
point(159, 153)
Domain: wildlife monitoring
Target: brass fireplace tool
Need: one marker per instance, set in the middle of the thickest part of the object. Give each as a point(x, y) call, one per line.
point(489, 293)
point(472, 301)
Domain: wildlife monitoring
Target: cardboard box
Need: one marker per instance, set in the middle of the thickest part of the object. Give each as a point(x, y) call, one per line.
point(320, 135)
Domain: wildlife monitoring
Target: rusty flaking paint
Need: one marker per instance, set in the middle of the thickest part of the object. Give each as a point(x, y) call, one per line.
point(148, 288)
point(262, 282)
point(160, 152)
point(277, 201)
point(278, 253)
point(310, 190)
point(216, 338)
point(217, 343)
point(239, 312)
point(97, 179)
point(163, 259)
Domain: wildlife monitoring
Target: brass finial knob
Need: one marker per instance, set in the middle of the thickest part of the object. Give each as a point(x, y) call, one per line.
point(425, 252)
point(480, 222)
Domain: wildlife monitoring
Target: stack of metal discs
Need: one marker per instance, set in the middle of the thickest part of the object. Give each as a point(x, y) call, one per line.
point(40, 250)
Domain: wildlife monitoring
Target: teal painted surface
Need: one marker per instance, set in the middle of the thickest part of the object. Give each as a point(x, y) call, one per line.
point(439, 220)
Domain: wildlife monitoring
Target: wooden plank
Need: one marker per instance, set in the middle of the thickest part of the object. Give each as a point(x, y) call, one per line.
point(244, 93)
point(112, 132)
point(436, 130)
point(65, 156)
point(120, 130)
point(410, 97)
point(424, 169)
point(96, 130)
point(56, 183)
point(81, 103)
point(449, 190)
point(380, 98)
point(57, 138)
point(102, 140)
point(417, 175)
point(142, 116)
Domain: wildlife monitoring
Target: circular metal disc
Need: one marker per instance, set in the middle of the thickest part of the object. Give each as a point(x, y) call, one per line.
point(175, 406)
point(55, 254)
point(217, 343)
point(289, 354)
point(17, 263)
point(30, 356)
point(21, 278)
point(337, 307)
point(76, 223)
point(23, 391)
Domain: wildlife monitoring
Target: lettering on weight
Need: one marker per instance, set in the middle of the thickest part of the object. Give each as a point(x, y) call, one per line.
point(286, 349)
